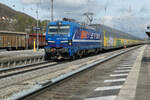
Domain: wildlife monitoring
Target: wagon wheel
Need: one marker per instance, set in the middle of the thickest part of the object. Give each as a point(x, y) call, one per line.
point(72, 57)
point(46, 57)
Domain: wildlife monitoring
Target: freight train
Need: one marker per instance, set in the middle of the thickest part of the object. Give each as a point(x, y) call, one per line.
point(19, 40)
point(68, 40)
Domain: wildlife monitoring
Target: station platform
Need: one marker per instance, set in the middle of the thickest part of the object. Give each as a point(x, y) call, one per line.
point(19, 54)
point(10, 59)
point(129, 80)
point(137, 86)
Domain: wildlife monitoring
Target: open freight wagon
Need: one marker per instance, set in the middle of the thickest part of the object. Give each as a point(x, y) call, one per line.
point(12, 40)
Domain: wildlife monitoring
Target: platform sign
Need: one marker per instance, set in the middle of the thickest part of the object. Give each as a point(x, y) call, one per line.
point(37, 28)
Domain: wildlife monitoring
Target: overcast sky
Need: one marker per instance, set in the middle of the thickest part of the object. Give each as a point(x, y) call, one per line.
point(131, 16)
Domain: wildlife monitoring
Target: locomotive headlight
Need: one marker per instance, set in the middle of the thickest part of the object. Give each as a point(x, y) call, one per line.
point(59, 23)
point(70, 42)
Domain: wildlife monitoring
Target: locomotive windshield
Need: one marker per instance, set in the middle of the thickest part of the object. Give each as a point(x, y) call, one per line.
point(59, 29)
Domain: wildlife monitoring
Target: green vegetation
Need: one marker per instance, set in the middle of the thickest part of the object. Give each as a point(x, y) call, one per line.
point(12, 20)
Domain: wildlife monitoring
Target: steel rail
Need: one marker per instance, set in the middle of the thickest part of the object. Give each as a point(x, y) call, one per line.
point(26, 70)
point(21, 67)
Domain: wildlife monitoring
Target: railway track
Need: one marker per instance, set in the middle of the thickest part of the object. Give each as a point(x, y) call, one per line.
point(9, 72)
point(63, 86)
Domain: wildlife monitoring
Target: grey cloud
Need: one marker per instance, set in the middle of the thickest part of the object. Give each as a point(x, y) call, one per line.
point(126, 20)
point(76, 7)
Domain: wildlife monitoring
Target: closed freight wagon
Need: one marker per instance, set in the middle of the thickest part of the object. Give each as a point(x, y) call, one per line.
point(1, 40)
point(12, 40)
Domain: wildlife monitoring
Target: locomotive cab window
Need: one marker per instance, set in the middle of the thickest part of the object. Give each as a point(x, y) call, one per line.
point(59, 29)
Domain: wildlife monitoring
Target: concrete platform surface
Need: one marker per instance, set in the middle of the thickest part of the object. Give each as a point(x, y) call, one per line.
point(127, 80)
point(143, 86)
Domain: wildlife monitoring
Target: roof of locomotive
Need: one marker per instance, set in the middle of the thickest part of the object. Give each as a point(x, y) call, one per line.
point(63, 22)
point(70, 23)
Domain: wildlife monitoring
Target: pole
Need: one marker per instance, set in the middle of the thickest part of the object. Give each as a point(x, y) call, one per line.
point(52, 8)
point(88, 12)
point(34, 46)
point(37, 30)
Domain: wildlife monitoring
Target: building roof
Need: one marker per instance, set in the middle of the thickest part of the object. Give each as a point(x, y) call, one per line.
point(11, 32)
point(148, 33)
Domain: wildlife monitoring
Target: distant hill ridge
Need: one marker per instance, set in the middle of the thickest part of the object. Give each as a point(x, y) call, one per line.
point(13, 20)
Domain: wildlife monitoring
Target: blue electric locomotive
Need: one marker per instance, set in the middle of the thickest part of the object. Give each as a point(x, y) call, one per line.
point(67, 39)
